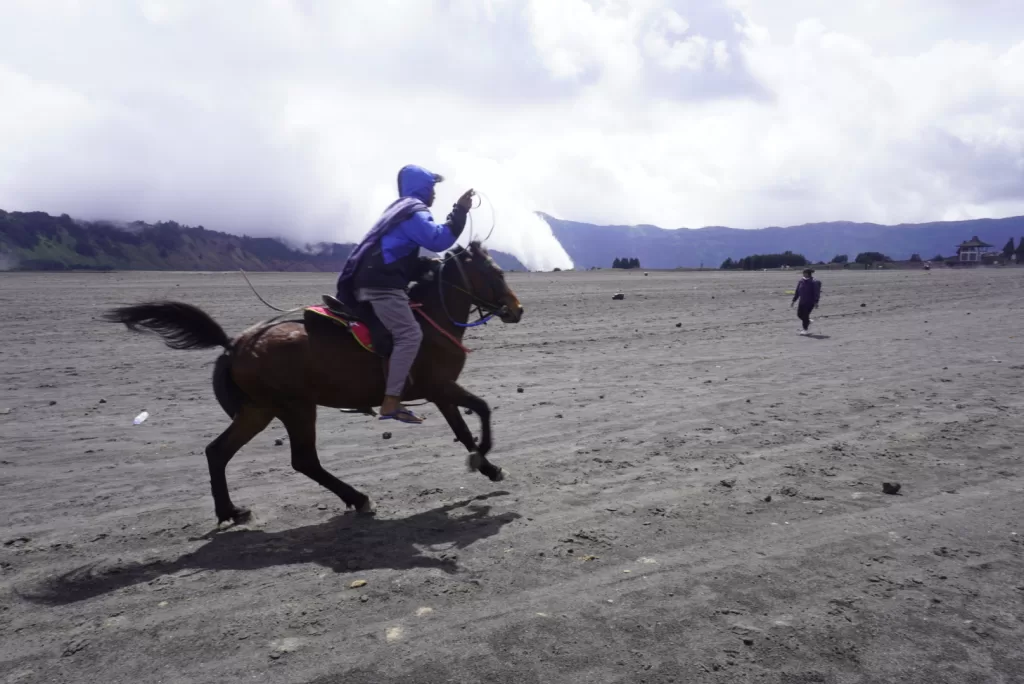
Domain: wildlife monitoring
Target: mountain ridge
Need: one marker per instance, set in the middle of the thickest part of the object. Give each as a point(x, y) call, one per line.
point(38, 241)
point(590, 245)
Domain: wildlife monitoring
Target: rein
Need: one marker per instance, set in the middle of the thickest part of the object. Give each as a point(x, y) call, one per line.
point(418, 308)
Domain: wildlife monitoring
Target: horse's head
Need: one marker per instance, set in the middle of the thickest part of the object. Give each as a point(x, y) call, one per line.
point(485, 282)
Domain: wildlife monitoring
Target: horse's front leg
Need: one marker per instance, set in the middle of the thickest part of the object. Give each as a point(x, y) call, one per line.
point(449, 407)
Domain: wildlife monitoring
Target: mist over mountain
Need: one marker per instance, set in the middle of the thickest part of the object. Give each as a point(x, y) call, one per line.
point(36, 241)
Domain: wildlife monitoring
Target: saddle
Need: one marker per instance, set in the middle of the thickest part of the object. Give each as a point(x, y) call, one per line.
point(362, 323)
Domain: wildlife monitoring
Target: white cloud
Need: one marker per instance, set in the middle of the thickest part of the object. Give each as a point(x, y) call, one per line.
point(277, 117)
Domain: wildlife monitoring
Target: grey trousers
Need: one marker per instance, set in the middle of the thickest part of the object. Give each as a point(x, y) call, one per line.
point(392, 308)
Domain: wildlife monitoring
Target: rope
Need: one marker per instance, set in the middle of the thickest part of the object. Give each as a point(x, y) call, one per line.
point(269, 305)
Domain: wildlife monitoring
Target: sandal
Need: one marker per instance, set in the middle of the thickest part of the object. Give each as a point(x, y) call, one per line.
point(402, 415)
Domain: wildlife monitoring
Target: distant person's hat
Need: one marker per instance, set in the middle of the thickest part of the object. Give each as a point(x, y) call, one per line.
point(808, 271)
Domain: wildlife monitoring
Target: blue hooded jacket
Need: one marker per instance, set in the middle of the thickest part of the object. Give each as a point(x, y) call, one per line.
point(419, 230)
point(389, 255)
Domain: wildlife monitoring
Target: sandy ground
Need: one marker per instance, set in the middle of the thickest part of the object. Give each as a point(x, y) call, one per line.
point(635, 541)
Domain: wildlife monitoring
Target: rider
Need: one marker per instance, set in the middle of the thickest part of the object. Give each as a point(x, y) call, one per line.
point(381, 267)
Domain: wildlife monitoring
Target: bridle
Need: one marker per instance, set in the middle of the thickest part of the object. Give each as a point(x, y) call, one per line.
point(485, 309)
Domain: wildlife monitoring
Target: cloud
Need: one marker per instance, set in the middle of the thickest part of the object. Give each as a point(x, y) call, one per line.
point(292, 118)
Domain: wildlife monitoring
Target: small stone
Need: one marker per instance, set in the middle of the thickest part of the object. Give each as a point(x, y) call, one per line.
point(53, 403)
point(679, 325)
point(322, 507)
point(863, 305)
point(748, 642)
point(468, 412)
point(357, 583)
point(729, 483)
point(103, 401)
point(768, 499)
point(279, 442)
point(75, 646)
point(618, 296)
point(387, 435)
point(892, 488)
point(520, 390)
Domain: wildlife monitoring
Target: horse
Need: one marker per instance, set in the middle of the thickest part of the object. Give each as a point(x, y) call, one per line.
point(285, 369)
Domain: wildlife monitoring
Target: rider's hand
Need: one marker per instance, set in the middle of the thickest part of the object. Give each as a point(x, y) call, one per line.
point(466, 201)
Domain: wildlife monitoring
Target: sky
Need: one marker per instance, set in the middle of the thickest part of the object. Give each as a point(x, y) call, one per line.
point(291, 118)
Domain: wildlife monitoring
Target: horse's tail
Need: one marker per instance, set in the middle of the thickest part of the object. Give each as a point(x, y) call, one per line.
point(183, 326)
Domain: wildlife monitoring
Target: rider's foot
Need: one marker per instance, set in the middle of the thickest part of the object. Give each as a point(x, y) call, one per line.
point(392, 409)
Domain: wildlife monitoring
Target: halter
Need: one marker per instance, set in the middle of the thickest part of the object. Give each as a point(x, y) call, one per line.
point(481, 305)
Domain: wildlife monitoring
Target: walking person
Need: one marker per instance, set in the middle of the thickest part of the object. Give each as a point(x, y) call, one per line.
point(808, 293)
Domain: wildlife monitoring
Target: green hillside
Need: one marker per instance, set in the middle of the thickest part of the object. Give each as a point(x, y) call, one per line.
point(36, 241)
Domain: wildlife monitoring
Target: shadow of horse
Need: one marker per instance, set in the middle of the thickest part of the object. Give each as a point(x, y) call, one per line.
point(346, 542)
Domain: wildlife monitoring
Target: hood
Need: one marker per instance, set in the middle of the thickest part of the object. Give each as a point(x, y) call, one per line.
point(415, 181)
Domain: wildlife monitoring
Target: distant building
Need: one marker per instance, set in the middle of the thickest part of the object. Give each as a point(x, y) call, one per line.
point(972, 251)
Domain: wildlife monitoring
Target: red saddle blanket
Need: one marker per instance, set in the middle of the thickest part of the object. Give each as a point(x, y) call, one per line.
point(358, 330)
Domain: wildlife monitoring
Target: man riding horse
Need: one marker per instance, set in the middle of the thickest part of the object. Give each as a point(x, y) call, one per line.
point(379, 270)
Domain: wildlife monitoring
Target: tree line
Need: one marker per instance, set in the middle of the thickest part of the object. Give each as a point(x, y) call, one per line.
point(1009, 250)
point(757, 262)
point(626, 263)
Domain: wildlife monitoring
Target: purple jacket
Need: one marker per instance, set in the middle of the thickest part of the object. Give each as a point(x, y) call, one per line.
point(808, 291)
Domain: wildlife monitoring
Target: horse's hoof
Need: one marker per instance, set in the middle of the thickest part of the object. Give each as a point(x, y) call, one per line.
point(474, 461)
point(239, 516)
point(500, 475)
point(368, 507)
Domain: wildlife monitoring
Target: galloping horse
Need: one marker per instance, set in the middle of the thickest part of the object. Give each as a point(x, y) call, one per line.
point(286, 369)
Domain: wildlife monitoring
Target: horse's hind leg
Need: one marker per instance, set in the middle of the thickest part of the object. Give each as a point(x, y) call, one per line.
point(300, 421)
point(249, 422)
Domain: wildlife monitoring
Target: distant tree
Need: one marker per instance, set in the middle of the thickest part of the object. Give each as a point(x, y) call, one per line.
point(871, 258)
point(840, 259)
point(915, 258)
point(938, 257)
point(626, 262)
point(727, 264)
point(1009, 249)
point(1020, 251)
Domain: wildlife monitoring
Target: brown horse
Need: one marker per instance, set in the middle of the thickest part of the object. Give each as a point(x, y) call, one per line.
point(286, 369)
